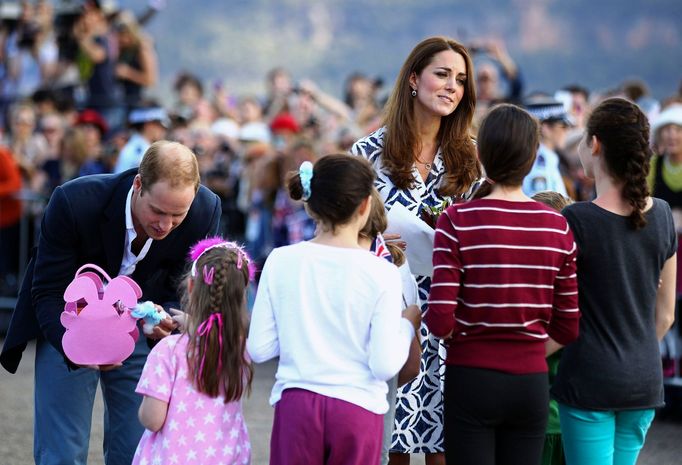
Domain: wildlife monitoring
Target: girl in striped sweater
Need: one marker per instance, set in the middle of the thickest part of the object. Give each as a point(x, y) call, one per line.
point(504, 296)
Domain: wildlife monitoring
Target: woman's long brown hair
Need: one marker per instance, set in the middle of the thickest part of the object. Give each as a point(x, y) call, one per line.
point(401, 140)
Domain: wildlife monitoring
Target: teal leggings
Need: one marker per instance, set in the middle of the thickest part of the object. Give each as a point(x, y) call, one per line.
point(593, 437)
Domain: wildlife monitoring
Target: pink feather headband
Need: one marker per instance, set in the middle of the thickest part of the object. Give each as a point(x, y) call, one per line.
point(209, 243)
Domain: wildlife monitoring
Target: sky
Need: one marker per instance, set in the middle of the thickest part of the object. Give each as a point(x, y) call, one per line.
point(555, 43)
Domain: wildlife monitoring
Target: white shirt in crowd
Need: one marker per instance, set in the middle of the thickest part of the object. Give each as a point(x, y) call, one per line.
point(132, 153)
point(545, 174)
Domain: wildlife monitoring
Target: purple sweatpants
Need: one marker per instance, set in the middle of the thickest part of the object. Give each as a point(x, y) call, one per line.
point(312, 429)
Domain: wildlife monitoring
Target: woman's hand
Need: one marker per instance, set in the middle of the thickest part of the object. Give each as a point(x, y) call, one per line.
point(551, 346)
point(395, 239)
point(414, 315)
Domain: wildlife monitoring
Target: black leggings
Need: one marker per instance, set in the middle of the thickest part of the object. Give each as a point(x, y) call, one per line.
point(494, 418)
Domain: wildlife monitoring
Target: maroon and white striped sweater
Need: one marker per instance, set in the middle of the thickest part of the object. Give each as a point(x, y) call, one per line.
point(503, 280)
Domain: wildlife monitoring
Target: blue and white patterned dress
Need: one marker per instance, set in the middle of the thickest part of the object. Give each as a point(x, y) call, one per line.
point(419, 409)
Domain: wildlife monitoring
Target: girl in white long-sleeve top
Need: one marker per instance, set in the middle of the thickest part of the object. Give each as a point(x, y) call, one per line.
point(331, 311)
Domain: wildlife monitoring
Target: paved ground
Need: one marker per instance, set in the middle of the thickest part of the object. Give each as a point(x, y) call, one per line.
point(664, 443)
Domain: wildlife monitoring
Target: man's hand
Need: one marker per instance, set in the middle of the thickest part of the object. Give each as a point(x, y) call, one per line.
point(163, 329)
point(103, 367)
point(395, 239)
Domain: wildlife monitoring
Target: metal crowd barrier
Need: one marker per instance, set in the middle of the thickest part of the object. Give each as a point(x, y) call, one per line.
point(33, 204)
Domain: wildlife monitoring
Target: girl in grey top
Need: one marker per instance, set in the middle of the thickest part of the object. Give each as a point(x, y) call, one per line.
point(610, 380)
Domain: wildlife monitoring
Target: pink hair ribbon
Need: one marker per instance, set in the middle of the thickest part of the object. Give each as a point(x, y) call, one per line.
point(203, 330)
point(208, 275)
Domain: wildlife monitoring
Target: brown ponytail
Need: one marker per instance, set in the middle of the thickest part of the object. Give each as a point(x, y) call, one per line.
point(340, 183)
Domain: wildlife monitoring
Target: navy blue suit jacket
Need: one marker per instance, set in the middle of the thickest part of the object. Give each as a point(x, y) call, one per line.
point(85, 223)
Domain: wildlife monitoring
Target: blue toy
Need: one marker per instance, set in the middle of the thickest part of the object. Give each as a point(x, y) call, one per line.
point(149, 313)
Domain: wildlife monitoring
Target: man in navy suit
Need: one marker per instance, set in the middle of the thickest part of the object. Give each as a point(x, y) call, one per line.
point(140, 223)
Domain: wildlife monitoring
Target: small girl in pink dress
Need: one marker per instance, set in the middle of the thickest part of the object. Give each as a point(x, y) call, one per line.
point(193, 382)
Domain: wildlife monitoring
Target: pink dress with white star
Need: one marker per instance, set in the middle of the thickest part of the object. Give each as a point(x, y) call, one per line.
point(198, 429)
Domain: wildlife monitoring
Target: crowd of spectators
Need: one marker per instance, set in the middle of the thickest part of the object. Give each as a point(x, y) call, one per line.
point(76, 98)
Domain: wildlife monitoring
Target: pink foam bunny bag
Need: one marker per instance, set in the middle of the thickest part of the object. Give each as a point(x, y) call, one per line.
point(102, 332)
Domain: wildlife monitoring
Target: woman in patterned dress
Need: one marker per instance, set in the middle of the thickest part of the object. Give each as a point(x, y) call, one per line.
point(424, 155)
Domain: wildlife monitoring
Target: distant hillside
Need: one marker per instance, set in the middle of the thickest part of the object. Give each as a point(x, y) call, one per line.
point(595, 43)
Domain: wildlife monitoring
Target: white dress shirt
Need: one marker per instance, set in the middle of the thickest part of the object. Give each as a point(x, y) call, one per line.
point(130, 260)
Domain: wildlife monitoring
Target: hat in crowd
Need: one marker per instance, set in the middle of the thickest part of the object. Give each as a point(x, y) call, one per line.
point(148, 115)
point(225, 127)
point(255, 132)
point(670, 115)
point(549, 111)
point(89, 116)
point(284, 122)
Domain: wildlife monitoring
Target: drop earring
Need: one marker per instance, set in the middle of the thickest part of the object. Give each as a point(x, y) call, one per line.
point(414, 93)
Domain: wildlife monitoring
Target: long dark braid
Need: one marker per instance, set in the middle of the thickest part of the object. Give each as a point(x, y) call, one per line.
point(623, 130)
